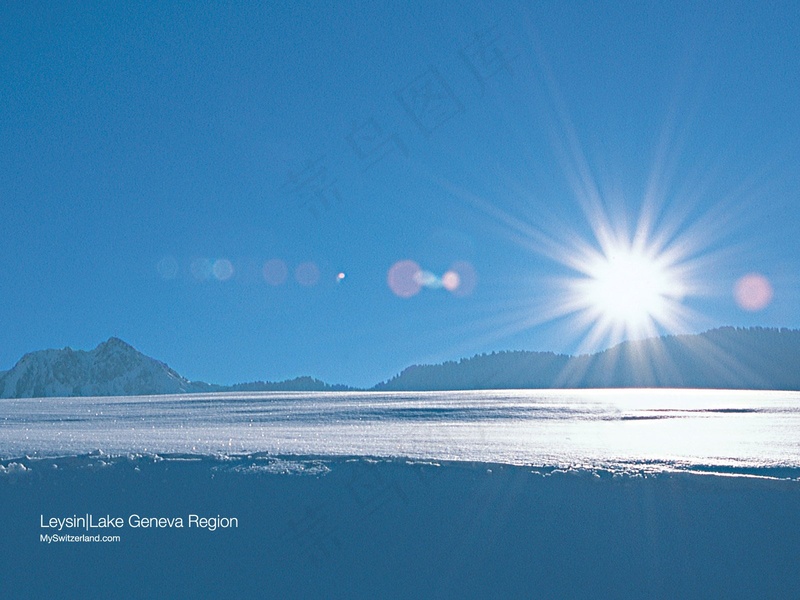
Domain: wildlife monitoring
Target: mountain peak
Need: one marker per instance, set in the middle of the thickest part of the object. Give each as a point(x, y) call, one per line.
point(113, 368)
point(113, 343)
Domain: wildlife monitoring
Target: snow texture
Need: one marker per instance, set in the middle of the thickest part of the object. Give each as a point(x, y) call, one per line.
point(565, 494)
point(399, 529)
point(746, 432)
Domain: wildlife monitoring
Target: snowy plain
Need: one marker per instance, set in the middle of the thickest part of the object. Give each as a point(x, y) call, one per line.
point(619, 430)
point(509, 494)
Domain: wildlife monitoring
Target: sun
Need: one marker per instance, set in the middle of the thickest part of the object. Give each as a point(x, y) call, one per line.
point(614, 268)
point(629, 288)
point(626, 290)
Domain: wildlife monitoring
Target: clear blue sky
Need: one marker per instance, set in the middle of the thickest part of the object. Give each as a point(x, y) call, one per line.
point(169, 173)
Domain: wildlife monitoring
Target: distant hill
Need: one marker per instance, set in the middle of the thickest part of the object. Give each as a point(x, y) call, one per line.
point(298, 384)
point(726, 358)
point(509, 369)
point(115, 368)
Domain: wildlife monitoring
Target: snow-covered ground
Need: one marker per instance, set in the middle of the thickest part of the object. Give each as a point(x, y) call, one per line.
point(626, 494)
point(620, 430)
point(357, 528)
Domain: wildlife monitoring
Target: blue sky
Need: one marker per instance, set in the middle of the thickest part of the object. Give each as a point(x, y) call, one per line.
point(155, 158)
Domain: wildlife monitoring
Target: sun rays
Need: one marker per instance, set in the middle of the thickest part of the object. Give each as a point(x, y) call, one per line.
point(627, 289)
point(628, 284)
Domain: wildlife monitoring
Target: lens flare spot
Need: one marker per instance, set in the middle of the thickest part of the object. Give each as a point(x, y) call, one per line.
point(222, 269)
point(460, 279)
point(428, 279)
point(201, 269)
point(404, 278)
point(753, 292)
point(275, 272)
point(307, 274)
point(167, 267)
point(451, 281)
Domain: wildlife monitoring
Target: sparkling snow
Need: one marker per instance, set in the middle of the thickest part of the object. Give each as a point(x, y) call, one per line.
point(712, 430)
